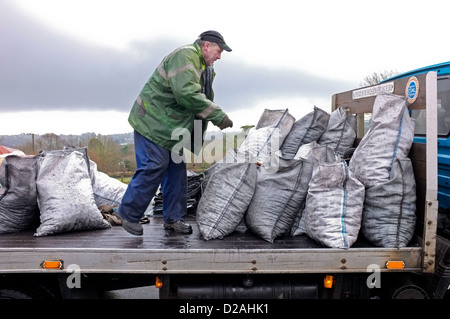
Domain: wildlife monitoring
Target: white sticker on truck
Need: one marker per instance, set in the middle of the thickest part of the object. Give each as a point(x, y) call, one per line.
point(373, 90)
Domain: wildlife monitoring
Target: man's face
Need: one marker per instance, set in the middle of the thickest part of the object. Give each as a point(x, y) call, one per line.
point(211, 53)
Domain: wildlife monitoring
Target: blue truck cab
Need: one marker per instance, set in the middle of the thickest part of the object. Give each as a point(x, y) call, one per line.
point(443, 118)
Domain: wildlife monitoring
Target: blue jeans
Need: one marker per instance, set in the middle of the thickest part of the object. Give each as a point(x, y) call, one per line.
point(155, 167)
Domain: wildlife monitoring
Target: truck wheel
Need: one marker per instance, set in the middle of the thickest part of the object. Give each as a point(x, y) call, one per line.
point(410, 292)
point(6, 293)
point(25, 290)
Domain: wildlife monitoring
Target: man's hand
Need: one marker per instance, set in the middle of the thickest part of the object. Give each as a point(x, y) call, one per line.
point(226, 122)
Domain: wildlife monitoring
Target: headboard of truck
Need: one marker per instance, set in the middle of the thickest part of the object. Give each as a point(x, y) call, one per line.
point(421, 92)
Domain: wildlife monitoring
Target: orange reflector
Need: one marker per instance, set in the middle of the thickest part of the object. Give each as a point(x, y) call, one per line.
point(395, 265)
point(328, 281)
point(158, 282)
point(52, 264)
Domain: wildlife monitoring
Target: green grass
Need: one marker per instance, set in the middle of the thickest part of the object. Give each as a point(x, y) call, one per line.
point(125, 180)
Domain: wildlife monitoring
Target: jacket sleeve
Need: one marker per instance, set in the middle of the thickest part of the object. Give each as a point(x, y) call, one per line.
point(184, 76)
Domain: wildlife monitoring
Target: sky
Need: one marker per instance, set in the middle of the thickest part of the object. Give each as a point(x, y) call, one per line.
point(75, 66)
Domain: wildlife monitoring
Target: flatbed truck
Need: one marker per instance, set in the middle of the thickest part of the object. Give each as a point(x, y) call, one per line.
point(84, 264)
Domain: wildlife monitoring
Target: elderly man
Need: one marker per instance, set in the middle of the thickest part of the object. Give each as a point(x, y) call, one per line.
point(178, 93)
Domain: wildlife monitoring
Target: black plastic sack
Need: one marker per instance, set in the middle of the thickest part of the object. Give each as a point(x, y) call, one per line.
point(278, 198)
point(306, 130)
point(380, 162)
point(65, 194)
point(268, 136)
point(276, 118)
point(334, 203)
point(340, 134)
point(389, 208)
point(107, 190)
point(226, 198)
point(390, 136)
point(195, 182)
point(18, 198)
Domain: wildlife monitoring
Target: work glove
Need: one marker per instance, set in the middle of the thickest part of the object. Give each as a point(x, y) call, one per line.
point(226, 122)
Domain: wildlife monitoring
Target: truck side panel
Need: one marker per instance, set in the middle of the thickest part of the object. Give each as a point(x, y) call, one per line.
point(113, 251)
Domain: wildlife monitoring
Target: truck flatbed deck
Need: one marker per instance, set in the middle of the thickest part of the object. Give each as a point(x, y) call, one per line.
point(160, 251)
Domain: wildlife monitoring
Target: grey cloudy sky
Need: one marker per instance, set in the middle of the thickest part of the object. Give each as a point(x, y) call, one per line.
point(58, 67)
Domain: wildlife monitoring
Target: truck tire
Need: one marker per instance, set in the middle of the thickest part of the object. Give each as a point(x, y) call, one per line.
point(23, 289)
point(6, 293)
point(410, 292)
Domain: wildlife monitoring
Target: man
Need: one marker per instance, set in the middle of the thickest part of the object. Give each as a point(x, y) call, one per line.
point(178, 93)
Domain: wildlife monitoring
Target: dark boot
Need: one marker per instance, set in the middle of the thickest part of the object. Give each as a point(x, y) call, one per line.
point(179, 227)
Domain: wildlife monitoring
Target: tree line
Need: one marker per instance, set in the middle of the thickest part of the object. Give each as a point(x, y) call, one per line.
point(111, 157)
point(117, 159)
